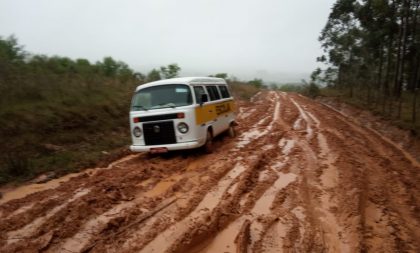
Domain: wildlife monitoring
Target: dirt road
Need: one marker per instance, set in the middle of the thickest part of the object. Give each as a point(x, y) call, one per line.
point(299, 177)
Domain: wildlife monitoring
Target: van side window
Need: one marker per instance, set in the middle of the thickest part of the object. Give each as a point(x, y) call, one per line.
point(225, 92)
point(213, 92)
point(198, 90)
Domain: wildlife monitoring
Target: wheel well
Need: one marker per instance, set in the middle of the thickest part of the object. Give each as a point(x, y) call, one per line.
point(210, 128)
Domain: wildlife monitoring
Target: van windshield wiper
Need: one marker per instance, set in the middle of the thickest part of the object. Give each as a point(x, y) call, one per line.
point(140, 107)
point(165, 105)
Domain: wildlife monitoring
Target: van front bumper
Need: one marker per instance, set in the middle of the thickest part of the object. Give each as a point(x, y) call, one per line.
point(169, 147)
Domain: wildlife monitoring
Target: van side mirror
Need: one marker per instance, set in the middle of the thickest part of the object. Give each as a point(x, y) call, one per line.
point(204, 99)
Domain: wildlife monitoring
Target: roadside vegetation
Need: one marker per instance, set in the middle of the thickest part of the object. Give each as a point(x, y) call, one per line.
point(372, 58)
point(60, 115)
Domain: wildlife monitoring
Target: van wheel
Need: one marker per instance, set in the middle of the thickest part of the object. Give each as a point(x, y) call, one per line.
point(208, 146)
point(231, 131)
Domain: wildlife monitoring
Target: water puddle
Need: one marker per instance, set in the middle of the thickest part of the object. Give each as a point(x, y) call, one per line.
point(249, 136)
point(276, 114)
point(256, 133)
point(262, 206)
point(298, 124)
point(225, 240)
point(244, 115)
point(163, 186)
point(25, 190)
point(286, 146)
point(302, 113)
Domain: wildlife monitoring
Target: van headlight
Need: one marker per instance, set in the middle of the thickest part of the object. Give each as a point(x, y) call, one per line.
point(137, 132)
point(183, 127)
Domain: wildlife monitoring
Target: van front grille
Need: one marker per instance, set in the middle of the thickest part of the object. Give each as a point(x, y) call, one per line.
point(157, 117)
point(159, 133)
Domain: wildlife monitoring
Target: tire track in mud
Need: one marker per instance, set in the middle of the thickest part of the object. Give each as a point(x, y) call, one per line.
point(298, 177)
point(386, 199)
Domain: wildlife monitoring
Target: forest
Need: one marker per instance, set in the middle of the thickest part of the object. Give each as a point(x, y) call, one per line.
point(372, 56)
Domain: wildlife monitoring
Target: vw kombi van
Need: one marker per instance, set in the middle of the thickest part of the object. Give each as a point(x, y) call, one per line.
point(180, 113)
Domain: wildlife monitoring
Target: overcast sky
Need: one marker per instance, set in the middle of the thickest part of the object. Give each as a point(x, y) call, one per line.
point(271, 39)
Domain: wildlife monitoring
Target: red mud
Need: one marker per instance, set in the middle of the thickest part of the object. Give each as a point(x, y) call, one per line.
point(300, 176)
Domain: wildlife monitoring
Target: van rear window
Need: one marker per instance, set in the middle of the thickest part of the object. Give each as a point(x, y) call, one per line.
point(224, 91)
point(213, 92)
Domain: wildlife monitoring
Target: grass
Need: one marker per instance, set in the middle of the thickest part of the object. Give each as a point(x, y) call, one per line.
point(243, 90)
point(62, 130)
point(404, 120)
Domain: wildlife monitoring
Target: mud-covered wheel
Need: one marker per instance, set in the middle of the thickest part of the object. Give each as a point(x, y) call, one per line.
point(208, 146)
point(231, 131)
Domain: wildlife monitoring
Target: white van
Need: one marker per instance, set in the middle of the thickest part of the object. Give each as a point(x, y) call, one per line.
point(180, 113)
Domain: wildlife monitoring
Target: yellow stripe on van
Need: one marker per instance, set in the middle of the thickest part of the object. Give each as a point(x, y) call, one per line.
point(209, 112)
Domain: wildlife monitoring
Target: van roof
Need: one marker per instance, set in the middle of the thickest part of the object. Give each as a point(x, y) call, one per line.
point(184, 80)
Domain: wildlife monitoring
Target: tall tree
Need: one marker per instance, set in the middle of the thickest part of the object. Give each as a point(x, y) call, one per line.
point(170, 71)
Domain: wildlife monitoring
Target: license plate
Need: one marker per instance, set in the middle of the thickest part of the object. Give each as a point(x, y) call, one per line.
point(158, 150)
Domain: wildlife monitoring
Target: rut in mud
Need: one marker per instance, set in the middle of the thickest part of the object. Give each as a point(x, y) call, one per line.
point(299, 176)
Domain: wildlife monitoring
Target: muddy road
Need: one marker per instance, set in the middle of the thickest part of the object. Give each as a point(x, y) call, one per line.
point(299, 177)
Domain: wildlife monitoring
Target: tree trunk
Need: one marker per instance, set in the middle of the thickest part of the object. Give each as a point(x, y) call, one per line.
point(397, 72)
point(379, 87)
point(414, 53)
point(386, 81)
point(414, 109)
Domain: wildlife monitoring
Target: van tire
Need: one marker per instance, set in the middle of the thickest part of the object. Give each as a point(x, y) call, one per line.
point(231, 131)
point(208, 146)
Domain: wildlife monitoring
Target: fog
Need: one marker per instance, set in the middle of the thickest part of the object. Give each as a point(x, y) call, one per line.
point(268, 39)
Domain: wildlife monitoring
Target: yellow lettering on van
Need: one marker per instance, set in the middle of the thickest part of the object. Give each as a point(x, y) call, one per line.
point(210, 112)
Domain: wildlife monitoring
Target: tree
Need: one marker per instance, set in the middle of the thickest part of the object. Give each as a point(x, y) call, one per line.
point(273, 86)
point(153, 75)
point(220, 75)
point(123, 71)
point(170, 71)
point(83, 66)
point(257, 82)
point(108, 66)
point(139, 76)
point(10, 50)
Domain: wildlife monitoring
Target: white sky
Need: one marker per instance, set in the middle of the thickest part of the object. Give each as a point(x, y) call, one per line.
point(271, 39)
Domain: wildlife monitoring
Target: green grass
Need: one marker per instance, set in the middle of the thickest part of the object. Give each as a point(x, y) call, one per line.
point(82, 122)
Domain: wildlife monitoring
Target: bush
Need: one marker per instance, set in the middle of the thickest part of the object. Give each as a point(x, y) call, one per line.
point(16, 164)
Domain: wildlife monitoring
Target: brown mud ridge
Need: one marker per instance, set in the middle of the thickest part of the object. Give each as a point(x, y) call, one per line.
point(299, 177)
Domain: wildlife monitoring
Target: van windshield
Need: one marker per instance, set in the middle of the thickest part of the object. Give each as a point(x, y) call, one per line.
point(162, 96)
